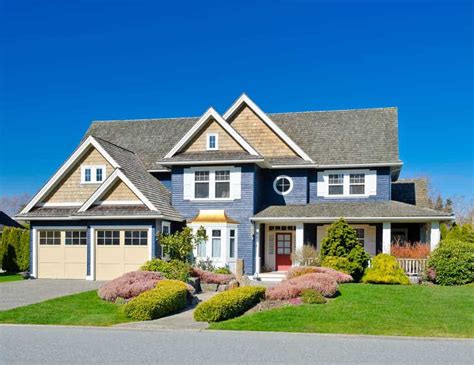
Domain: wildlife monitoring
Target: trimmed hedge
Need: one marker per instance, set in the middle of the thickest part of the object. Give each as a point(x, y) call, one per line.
point(385, 270)
point(174, 269)
point(15, 249)
point(229, 304)
point(168, 297)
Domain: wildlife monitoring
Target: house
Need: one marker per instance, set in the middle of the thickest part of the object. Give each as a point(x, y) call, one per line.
point(262, 185)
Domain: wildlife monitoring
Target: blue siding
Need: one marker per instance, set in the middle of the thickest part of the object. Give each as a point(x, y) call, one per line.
point(240, 210)
point(383, 187)
point(164, 177)
point(298, 195)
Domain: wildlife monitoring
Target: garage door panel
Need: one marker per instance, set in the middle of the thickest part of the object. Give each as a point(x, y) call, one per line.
point(74, 270)
point(51, 270)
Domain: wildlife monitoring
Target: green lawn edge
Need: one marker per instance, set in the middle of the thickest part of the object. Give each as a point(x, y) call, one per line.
point(366, 309)
point(83, 309)
point(7, 277)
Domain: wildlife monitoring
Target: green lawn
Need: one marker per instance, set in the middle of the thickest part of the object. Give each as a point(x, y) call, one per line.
point(5, 277)
point(376, 310)
point(83, 309)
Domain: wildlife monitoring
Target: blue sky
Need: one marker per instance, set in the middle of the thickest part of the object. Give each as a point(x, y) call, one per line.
point(66, 63)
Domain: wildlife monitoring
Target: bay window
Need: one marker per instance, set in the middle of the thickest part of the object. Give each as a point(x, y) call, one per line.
point(232, 243)
point(216, 243)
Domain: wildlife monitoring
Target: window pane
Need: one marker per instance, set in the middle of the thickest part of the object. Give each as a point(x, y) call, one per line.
point(223, 175)
point(336, 179)
point(357, 189)
point(201, 190)
point(222, 189)
point(87, 175)
point(335, 190)
point(201, 176)
point(357, 178)
point(232, 243)
point(98, 175)
point(216, 247)
point(212, 141)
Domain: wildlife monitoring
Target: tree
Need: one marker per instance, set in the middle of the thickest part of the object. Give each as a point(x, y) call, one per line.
point(438, 205)
point(180, 245)
point(12, 204)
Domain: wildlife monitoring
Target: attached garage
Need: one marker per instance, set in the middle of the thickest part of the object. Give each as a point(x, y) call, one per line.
point(118, 251)
point(62, 254)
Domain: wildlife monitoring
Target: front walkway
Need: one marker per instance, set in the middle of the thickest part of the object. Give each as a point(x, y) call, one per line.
point(180, 321)
point(19, 293)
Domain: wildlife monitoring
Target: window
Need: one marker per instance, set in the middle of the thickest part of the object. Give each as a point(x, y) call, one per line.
point(223, 184)
point(201, 184)
point(136, 238)
point(201, 249)
point(76, 238)
point(50, 238)
point(108, 238)
point(282, 228)
point(360, 235)
point(282, 185)
point(212, 141)
point(232, 243)
point(336, 184)
point(92, 174)
point(216, 243)
point(165, 228)
point(357, 184)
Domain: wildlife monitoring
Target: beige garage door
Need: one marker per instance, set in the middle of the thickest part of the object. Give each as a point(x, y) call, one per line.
point(120, 251)
point(62, 254)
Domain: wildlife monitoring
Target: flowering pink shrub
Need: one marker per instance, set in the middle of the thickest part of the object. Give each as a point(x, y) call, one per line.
point(295, 301)
point(208, 277)
point(340, 277)
point(129, 285)
point(292, 288)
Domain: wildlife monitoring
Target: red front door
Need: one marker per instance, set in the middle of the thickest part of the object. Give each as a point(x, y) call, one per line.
point(283, 251)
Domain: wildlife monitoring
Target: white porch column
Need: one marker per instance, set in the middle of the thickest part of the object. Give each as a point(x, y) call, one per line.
point(34, 253)
point(435, 235)
point(299, 238)
point(92, 256)
point(386, 237)
point(257, 249)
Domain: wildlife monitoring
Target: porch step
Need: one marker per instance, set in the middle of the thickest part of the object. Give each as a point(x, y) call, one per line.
point(275, 276)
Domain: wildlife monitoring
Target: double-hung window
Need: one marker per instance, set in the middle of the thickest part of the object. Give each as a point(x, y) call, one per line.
point(201, 184)
point(336, 184)
point(357, 184)
point(222, 180)
point(360, 235)
point(216, 243)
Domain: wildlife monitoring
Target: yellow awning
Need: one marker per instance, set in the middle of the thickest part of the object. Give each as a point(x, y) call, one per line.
point(213, 216)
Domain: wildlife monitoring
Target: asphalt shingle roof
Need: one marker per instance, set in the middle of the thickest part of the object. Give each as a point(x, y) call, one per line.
point(211, 156)
point(411, 191)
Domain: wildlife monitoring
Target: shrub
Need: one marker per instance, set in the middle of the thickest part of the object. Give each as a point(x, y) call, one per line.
point(205, 265)
point(309, 296)
point(207, 277)
point(342, 241)
point(463, 233)
point(340, 277)
point(408, 250)
point(15, 249)
point(174, 269)
point(229, 304)
point(222, 270)
point(168, 297)
point(452, 262)
point(307, 256)
point(292, 288)
point(341, 264)
point(385, 270)
point(179, 245)
point(129, 285)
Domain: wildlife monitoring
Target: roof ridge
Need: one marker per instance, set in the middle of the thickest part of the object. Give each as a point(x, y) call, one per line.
point(113, 144)
point(333, 110)
point(141, 120)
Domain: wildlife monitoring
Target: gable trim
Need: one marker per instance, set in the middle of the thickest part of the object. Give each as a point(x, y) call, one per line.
point(117, 174)
point(244, 99)
point(90, 141)
point(211, 113)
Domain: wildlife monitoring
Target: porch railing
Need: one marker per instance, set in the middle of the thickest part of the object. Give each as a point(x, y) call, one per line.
point(413, 267)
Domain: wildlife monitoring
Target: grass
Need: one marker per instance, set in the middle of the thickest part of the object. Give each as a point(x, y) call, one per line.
point(83, 309)
point(413, 310)
point(6, 277)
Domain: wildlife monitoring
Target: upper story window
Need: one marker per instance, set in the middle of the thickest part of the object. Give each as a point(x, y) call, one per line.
point(92, 174)
point(336, 184)
point(357, 184)
point(211, 183)
point(283, 185)
point(212, 141)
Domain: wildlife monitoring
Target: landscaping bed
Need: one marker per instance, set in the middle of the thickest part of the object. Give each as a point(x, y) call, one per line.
point(412, 310)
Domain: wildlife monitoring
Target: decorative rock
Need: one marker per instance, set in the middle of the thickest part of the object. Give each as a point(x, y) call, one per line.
point(223, 287)
point(209, 287)
point(244, 281)
point(195, 283)
point(239, 269)
point(233, 284)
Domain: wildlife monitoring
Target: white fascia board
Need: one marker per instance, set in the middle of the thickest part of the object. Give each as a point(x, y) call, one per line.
point(244, 99)
point(60, 205)
point(66, 166)
point(217, 162)
point(378, 164)
point(211, 113)
point(117, 174)
point(354, 219)
point(159, 170)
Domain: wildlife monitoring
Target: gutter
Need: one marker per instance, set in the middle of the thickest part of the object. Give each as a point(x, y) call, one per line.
point(353, 219)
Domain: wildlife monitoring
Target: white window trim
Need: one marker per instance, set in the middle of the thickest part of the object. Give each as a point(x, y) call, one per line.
point(212, 182)
point(166, 224)
point(279, 178)
point(93, 169)
point(208, 140)
point(323, 183)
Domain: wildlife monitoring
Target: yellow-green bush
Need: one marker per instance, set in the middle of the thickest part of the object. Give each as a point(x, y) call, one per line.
point(229, 304)
point(169, 296)
point(385, 270)
point(341, 264)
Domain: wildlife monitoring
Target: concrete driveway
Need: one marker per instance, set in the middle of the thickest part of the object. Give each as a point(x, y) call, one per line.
point(19, 293)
